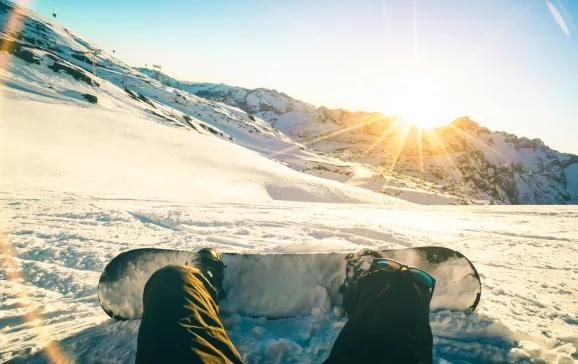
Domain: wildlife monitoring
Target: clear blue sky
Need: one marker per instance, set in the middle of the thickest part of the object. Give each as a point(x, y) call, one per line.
point(511, 65)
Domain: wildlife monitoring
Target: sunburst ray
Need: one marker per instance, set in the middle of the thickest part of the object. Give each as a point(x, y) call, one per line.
point(330, 135)
point(396, 158)
point(432, 135)
point(9, 263)
point(481, 144)
point(420, 149)
point(384, 135)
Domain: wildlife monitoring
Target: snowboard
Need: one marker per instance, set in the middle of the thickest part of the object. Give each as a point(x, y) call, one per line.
point(284, 285)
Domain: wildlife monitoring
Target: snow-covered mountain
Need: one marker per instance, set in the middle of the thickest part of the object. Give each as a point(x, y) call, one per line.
point(232, 150)
point(460, 163)
point(462, 159)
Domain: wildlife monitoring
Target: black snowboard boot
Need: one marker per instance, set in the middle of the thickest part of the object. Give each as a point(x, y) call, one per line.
point(209, 262)
point(357, 264)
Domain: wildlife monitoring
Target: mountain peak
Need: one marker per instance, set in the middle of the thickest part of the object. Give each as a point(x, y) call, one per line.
point(466, 124)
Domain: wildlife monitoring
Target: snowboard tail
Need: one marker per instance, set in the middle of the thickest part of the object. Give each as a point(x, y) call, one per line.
point(284, 285)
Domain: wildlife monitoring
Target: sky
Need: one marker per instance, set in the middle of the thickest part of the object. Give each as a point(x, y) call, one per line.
point(511, 65)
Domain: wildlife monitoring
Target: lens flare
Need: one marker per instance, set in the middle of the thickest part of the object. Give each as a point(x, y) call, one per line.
point(8, 262)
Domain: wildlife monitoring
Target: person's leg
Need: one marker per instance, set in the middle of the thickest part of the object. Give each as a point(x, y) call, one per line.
point(389, 322)
point(180, 322)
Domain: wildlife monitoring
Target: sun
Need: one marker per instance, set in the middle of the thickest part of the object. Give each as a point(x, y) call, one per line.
point(423, 103)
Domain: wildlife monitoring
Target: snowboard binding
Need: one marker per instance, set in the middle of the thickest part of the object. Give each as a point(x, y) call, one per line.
point(356, 264)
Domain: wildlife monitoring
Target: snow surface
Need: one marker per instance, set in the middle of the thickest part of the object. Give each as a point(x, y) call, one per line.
point(59, 246)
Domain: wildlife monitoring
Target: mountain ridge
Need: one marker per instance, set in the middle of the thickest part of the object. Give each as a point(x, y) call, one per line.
point(214, 94)
point(494, 166)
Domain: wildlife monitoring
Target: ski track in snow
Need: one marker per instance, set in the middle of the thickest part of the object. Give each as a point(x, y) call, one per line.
point(59, 247)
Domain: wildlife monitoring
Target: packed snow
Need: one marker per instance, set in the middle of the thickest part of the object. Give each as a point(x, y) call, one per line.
point(58, 247)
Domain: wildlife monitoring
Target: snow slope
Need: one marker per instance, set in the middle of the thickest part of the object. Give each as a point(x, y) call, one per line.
point(116, 154)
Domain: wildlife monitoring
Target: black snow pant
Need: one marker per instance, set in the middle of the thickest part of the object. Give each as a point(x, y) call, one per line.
point(181, 323)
